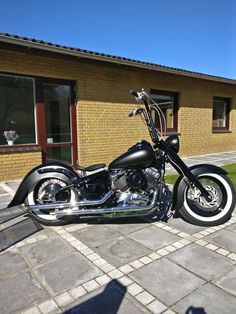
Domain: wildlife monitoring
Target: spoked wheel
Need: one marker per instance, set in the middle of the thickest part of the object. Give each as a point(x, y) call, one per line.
point(197, 210)
point(46, 192)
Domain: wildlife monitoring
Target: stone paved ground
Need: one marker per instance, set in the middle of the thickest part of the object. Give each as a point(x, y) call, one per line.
point(119, 266)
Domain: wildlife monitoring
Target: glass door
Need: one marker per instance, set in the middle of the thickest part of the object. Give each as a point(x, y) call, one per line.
point(58, 115)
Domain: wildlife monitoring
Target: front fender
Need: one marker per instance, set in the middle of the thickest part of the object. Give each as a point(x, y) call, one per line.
point(181, 184)
point(56, 170)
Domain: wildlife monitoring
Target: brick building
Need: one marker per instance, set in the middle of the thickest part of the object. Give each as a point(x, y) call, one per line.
point(72, 105)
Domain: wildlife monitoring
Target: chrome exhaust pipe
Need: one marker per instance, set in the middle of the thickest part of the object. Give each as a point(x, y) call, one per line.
point(68, 209)
point(65, 205)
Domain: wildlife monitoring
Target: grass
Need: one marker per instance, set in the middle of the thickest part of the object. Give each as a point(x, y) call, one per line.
point(231, 169)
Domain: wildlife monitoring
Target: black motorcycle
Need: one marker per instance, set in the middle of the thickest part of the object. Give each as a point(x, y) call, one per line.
point(132, 185)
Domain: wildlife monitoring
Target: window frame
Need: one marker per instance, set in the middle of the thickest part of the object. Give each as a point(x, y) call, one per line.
point(24, 145)
point(175, 95)
point(227, 114)
point(39, 118)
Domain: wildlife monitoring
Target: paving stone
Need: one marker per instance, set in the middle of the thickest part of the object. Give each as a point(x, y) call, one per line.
point(107, 267)
point(113, 299)
point(103, 280)
point(163, 252)
point(201, 242)
point(145, 298)
point(46, 250)
point(63, 299)
point(19, 292)
point(125, 281)
point(207, 299)
point(145, 260)
point(156, 307)
point(67, 273)
point(32, 310)
point(48, 306)
point(224, 238)
point(136, 264)
point(172, 312)
point(78, 292)
point(134, 289)
point(154, 238)
point(212, 247)
point(3, 205)
point(232, 227)
point(10, 264)
point(120, 251)
point(162, 279)
point(13, 184)
point(200, 260)
point(227, 281)
point(95, 235)
point(126, 269)
point(91, 285)
point(154, 256)
point(232, 256)
point(178, 245)
point(5, 198)
point(222, 252)
point(126, 228)
point(115, 274)
point(2, 191)
point(184, 226)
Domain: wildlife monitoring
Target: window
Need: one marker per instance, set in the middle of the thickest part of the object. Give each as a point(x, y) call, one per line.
point(17, 109)
point(221, 109)
point(168, 101)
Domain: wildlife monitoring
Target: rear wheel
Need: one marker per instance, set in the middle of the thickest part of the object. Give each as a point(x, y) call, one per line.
point(197, 210)
point(45, 192)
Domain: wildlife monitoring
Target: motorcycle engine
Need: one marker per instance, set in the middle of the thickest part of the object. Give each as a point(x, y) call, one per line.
point(134, 187)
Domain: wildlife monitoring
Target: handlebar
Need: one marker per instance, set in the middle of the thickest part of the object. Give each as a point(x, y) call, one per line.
point(134, 93)
point(139, 96)
point(136, 112)
point(143, 97)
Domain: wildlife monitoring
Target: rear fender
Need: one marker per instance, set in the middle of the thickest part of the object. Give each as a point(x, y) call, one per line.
point(181, 184)
point(56, 170)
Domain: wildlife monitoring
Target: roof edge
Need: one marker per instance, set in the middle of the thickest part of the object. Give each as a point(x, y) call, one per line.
point(81, 53)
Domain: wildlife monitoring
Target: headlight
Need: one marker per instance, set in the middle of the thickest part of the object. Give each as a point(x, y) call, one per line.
point(173, 141)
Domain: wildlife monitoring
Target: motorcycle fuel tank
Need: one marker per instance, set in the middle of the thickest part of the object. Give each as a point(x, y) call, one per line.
point(139, 155)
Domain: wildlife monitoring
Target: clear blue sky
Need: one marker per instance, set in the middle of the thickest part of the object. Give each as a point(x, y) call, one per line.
point(197, 35)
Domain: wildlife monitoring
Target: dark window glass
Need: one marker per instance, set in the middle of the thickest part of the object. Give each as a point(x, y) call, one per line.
point(57, 100)
point(59, 153)
point(168, 102)
point(17, 109)
point(221, 109)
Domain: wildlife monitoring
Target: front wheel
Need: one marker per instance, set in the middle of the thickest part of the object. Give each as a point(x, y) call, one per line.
point(45, 192)
point(197, 210)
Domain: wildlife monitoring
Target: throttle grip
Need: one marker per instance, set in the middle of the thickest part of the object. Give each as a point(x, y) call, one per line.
point(134, 93)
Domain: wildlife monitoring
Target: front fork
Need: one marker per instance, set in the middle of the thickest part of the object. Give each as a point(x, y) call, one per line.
point(183, 169)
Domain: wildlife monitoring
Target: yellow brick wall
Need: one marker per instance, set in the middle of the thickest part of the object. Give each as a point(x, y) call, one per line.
point(15, 165)
point(103, 103)
point(105, 130)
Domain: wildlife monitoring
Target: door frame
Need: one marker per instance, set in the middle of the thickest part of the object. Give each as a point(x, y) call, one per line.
point(40, 118)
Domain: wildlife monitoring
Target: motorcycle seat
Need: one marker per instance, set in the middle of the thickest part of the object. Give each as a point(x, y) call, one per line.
point(90, 168)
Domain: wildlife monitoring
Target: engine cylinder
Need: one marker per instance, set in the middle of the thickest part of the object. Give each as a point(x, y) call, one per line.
point(136, 179)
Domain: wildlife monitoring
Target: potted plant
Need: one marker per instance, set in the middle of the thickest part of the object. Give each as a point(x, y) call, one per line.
point(10, 136)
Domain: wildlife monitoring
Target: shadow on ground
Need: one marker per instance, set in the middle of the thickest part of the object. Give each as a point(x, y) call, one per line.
point(107, 301)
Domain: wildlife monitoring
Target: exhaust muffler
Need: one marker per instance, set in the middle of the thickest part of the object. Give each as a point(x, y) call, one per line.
point(77, 209)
